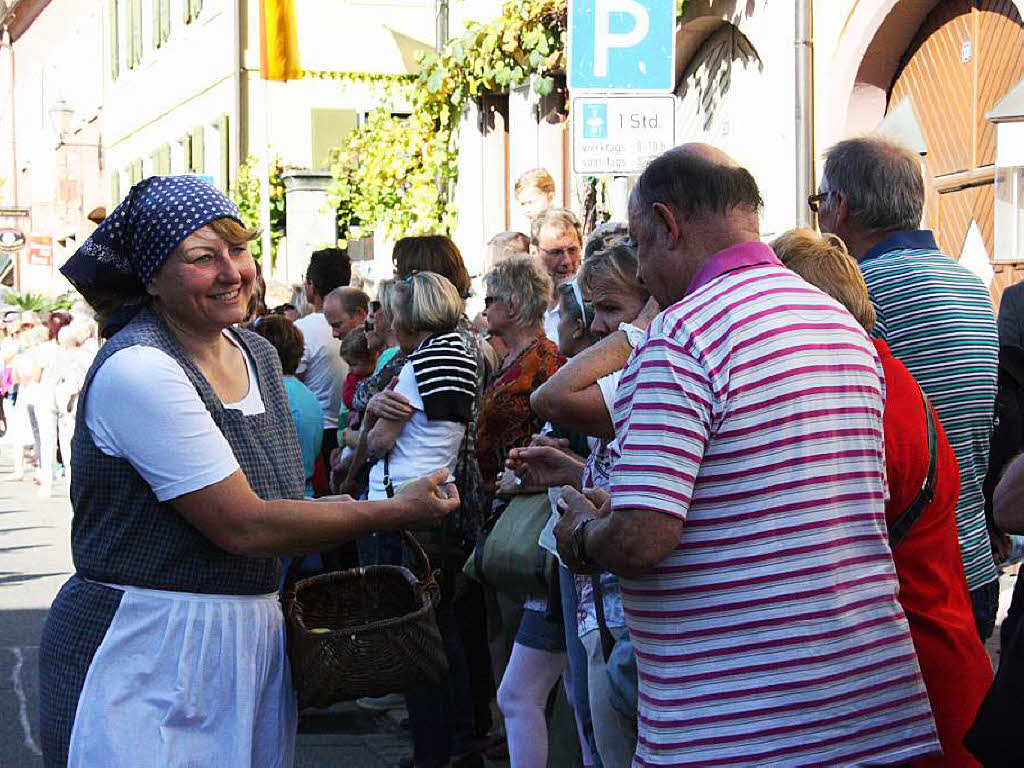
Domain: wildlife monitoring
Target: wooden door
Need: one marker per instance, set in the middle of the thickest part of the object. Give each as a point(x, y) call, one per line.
point(965, 57)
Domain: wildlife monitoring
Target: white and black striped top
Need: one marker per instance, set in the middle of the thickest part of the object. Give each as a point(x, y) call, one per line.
point(446, 377)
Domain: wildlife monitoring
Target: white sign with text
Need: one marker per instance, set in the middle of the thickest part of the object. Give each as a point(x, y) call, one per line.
point(620, 134)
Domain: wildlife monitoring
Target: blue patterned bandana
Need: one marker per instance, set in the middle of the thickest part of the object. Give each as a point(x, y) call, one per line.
point(129, 247)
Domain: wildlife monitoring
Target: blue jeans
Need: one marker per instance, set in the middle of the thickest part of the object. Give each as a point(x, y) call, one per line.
point(577, 659)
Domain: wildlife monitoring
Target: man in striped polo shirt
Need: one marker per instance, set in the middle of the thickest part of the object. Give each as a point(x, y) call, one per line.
point(936, 317)
point(746, 515)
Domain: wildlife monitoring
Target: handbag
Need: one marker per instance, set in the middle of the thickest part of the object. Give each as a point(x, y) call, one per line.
point(363, 632)
point(508, 558)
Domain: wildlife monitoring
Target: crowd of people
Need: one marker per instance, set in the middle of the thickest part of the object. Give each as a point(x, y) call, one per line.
point(770, 521)
point(43, 362)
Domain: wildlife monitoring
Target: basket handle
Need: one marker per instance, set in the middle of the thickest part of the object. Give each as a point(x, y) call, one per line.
point(421, 565)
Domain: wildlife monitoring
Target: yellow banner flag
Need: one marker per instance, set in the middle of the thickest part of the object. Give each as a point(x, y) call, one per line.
point(279, 40)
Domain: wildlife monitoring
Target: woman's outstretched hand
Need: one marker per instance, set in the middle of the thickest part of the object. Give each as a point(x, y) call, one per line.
point(426, 501)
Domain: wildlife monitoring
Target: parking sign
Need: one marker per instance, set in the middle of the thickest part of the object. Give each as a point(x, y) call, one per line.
point(622, 45)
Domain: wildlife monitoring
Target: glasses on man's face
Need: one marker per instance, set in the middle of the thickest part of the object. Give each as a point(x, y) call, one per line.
point(814, 202)
point(556, 253)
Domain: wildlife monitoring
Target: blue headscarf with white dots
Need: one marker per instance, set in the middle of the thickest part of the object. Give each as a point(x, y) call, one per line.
point(129, 247)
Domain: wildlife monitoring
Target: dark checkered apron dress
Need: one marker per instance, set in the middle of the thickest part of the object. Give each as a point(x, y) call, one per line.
point(121, 534)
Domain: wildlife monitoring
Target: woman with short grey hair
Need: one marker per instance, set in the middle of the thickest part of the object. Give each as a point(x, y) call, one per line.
point(438, 379)
point(516, 299)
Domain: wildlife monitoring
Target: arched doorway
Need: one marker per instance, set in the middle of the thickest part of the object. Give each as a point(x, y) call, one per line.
point(965, 57)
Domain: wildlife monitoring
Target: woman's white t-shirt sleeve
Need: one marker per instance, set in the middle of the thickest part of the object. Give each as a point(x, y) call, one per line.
point(141, 407)
point(609, 385)
point(408, 387)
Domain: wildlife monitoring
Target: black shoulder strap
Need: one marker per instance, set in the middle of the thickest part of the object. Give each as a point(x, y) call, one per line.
point(901, 526)
point(607, 639)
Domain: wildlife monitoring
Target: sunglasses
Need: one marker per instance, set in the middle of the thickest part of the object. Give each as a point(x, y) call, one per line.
point(814, 201)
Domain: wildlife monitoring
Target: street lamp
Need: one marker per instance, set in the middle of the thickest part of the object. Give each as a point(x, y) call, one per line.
point(61, 115)
point(60, 118)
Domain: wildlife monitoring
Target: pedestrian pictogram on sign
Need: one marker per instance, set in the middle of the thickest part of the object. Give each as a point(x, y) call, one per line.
point(595, 121)
point(622, 45)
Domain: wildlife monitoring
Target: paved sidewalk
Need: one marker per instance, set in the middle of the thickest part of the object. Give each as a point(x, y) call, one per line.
point(35, 559)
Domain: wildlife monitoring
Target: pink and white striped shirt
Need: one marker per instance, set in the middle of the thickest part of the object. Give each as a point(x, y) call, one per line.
point(772, 634)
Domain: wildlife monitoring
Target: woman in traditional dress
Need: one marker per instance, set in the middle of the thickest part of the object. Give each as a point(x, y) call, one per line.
point(167, 646)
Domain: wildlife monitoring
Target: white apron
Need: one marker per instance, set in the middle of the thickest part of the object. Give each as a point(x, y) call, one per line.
point(187, 680)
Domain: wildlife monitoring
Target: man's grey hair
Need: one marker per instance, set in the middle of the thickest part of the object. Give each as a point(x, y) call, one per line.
point(521, 279)
point(881, 181)
point(692, 184)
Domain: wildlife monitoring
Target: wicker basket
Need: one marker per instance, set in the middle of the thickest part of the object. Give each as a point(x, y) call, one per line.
point(381, 633)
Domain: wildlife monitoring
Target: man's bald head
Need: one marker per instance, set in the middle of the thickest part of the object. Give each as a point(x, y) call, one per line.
point(708, 152)
point(696, 180)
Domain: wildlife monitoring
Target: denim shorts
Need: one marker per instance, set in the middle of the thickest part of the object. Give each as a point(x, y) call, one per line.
point(538, 631)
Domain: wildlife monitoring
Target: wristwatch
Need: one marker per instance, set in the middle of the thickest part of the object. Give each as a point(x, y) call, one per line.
point(579, 542)
point(634, 335)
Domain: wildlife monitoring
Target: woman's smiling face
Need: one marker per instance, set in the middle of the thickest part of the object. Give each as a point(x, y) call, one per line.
point(206, 283)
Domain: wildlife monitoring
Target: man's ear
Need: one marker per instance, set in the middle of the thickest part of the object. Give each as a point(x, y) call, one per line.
point(842, 208)
point(361, 313)
point(669, 221)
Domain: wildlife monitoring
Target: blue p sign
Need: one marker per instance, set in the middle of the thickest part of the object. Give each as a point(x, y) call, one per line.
point(622, 45)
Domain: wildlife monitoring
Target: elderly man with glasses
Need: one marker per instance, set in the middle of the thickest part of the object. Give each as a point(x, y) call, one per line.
point(557, 243)
point(934, 314)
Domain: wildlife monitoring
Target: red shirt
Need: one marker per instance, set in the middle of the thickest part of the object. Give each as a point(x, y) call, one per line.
point(933, 587)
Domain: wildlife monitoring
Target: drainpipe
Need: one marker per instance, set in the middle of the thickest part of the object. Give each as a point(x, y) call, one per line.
point(442, 25)
point(804, 44)
point(7, 51)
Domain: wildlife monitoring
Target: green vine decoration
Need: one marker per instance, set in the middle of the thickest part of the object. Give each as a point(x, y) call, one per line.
point(398, 171)
point(375, 78)
point(246, 194)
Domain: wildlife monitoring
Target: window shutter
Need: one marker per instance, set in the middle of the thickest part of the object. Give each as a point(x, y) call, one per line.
point(156, 24)
point(115, 188)
point(115, 50)
point(198, 150)
point(225, 153)
point(197, 7)
point(136, 6)
point(186, 143)
point(129, 37)
point(165, 20)
point(165, 160)
point(137, 171)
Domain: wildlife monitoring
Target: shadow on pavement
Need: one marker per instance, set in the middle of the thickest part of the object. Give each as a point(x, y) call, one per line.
point(7, 577)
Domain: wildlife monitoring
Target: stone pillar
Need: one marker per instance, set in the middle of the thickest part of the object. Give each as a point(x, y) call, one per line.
point(311, 222)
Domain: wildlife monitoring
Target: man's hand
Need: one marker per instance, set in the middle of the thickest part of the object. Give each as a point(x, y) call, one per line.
point(575, 507)
point(426, 501)
point(560, 443)
point(1002, 547)
point(545, 466)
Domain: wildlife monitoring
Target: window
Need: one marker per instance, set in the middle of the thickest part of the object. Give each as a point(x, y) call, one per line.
point(192, 10)
point(161, 22)
point(1009, 214)
point(329, 127)
point(115, 188)
point(113, 9)
point(161, 159)
point(133, 32)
